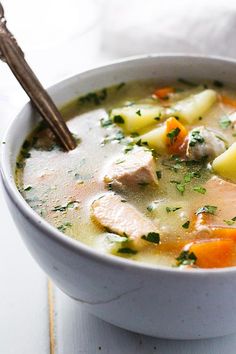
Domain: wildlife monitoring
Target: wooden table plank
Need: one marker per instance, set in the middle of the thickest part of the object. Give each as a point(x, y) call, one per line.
point(78, 332)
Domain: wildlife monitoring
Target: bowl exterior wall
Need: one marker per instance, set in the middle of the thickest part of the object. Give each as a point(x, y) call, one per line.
point(157, 302)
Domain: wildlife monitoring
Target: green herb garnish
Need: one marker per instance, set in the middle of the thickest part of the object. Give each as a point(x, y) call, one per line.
point(153, 237)
point(120, 86)
point(159, 174)
point(94, 97)
point(69, 205)
point(170, 209)
point(187, 82)
point(199, 189)
point(218, 83)
point(118, 119)
point(186, 258)
point(105, 122)
point(138, 113)
point(186, 224)
point(27, 188)
point(126, 250)
point(195, 138)
point(209, 209)
point(224, 122)
point(231, 221)
point(172, 135)
point(64, 226)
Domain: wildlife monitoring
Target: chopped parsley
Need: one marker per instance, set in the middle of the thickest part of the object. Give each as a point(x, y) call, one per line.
point(159, 174)
point(120, 86)
point(105, 122)
point(25, 154)
point(224, 122)
point(138, 113)
point(209, 209)
point(170, 209)
point(199, 189)
point(186, 224)
point(126, 250)
point(94, 97)
point(153, 237)
point(187, 82)
point(69, 205)
point(64, 226)
point(195, 138)
point(231, 221)
point(143, 184)
point(218, 83)
point(151, 207)
point(27, 188)
point(118, 119)
point(186, 258)
point(172, 135)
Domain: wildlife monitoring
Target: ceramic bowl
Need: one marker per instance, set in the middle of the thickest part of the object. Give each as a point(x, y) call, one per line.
point(157, 301)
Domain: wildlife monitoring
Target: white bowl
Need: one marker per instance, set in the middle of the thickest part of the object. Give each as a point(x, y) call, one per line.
point(156, 301)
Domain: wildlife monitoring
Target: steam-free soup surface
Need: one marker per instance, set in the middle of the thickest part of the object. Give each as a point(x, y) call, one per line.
point(152, 178)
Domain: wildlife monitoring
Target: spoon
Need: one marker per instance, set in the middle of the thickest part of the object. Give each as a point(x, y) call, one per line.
point(11, 53)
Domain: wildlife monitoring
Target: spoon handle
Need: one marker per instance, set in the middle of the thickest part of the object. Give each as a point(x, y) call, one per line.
point(11, 53)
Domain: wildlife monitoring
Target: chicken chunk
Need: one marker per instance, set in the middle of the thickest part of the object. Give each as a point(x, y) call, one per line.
point(204, 142)
point(134, 169)
point(120, 217)
point(221, 194)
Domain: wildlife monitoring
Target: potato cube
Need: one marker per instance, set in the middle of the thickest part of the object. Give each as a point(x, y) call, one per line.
point(225, 164)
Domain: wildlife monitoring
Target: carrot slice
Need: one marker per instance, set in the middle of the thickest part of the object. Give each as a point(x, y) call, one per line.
point(175, 134)
point(224, 233)
point(215, 253)
point(163, 92)
point(228, 101)
point(214, 230)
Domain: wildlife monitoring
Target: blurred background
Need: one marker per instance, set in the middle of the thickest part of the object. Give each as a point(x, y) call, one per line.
point(61, 38)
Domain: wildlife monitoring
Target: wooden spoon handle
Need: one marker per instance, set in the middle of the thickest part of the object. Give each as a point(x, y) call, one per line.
point(11, 53)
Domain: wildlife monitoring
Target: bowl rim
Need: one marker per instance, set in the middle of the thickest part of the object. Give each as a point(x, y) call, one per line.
point(77, 246)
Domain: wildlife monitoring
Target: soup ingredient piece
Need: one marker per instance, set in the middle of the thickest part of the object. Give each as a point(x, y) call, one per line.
point(156, 138)
point(199, 189)
point(186, 258)
point(67, 206)
point(105, 122)
point(118, 119)
point(169, 209)
point(136, 117)
point(175, 134)
point(126, 250)
point(231, 221)
point(209, 209)
point(215, 253)
point(169, 135)
point(225, 164)
point(95, 98)
point(225, 122)
point(228, 101)
point(121, 218)
point(203, 142)
point(186, 224)
point(187, 82)
point(222, 194)
point(194, 106)
point(153, 237)
point(133, 169)
point(164, 92)
point(116, 238)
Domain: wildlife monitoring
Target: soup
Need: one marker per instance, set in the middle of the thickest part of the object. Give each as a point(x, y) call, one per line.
point(152, 178)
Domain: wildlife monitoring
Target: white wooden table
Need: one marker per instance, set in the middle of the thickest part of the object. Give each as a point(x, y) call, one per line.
point(35, 316)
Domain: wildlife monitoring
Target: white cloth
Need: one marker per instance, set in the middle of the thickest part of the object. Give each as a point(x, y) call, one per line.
point(163, 26)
